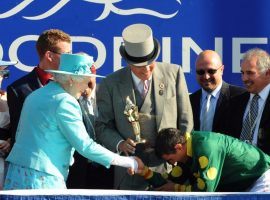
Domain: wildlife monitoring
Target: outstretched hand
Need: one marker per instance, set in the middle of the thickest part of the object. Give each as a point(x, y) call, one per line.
point(140, 168)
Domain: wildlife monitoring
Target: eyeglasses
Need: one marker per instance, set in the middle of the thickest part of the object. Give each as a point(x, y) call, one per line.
point(59, 53)
point(209, 71)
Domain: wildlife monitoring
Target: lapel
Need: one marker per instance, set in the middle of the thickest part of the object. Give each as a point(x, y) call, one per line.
point(266, 112)
point(223, 97)
point(160, 92)
point(126, 86)
point(196, 108)
point(33, 80)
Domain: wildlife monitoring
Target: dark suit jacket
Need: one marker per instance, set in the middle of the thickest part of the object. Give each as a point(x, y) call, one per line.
point(226, 94)
point(235, 122)
point(16, 94)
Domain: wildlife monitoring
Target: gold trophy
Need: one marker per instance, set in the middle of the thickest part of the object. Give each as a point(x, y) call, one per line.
point(132, 113)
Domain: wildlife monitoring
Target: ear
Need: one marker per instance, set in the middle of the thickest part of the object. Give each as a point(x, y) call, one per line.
point(70, 81)
point(222, 68)
point(49, 55)
point(178, 146)
point(267, 73)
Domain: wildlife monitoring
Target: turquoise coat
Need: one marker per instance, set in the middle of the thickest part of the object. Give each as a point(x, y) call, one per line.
point(49, 129)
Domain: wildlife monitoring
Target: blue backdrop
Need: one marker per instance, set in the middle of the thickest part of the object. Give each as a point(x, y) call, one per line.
point(183, 27)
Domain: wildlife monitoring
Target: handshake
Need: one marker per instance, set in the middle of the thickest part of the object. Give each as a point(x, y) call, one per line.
point(156, 180)
point(138, 167)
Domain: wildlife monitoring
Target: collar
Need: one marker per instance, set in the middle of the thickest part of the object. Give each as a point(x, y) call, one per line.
point(263, 94)
point(214, 93)
point(43, 76)
point(137, 80)
point(189, 144)
point(92, 95)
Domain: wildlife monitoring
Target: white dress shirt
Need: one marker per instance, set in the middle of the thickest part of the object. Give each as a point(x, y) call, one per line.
point(4, 113)
point(139, 83)
point(262, 100)
point(215, 95)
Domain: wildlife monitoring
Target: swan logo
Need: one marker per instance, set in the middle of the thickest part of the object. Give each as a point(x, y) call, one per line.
point(109, 7)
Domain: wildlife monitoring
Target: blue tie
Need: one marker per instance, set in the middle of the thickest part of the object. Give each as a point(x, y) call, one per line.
point(207, 114)
point(250, 120)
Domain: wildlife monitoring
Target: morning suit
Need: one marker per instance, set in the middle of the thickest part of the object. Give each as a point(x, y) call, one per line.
point(227, 92)
point(52, 119)
point(235, 122)
point(16, 94)
point(170, 107)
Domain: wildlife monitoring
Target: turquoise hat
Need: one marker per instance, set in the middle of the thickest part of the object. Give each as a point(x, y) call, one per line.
point(75, 64)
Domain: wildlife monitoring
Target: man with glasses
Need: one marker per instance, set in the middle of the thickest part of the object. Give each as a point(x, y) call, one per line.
point(210, 103)
point(50, 45)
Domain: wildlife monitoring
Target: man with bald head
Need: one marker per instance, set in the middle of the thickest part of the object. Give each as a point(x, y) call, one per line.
point(211, 102)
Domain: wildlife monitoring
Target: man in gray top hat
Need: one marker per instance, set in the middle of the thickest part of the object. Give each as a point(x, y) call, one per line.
point(156, 90)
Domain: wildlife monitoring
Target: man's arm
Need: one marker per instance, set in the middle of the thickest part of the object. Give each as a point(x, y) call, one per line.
point(184, 110)
point(106, 131)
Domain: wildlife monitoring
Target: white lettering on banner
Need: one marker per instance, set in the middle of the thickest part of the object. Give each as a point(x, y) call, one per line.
point(1, 51)
point(188, 44)
point(108, 7)
point(236, 50)
point(166, 49)
point(101, 50)
point(219, 46)
point(117, 64)
point(13, 50)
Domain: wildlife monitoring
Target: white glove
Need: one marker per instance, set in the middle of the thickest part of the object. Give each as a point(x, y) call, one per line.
point(124, 161)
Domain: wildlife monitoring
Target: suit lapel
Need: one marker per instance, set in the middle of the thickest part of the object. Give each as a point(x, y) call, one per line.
point(224, 93)
point(223, 96)
point(33, 80)
point(265, 115)
point(159, 89)
point(126, 86)
point(196, 108)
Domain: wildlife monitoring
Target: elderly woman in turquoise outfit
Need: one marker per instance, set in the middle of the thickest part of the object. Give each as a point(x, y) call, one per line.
point(51, 127)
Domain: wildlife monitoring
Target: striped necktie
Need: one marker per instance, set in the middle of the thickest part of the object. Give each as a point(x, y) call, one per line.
point(145, 88)
point(250, 120)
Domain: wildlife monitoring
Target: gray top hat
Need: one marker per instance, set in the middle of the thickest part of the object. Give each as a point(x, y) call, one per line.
point(139, 47)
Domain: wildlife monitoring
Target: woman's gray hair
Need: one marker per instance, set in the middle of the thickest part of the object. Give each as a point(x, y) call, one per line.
point(64, 78)
point(263, 58)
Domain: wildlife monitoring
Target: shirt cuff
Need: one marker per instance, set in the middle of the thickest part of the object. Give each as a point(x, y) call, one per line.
point(117, 149)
